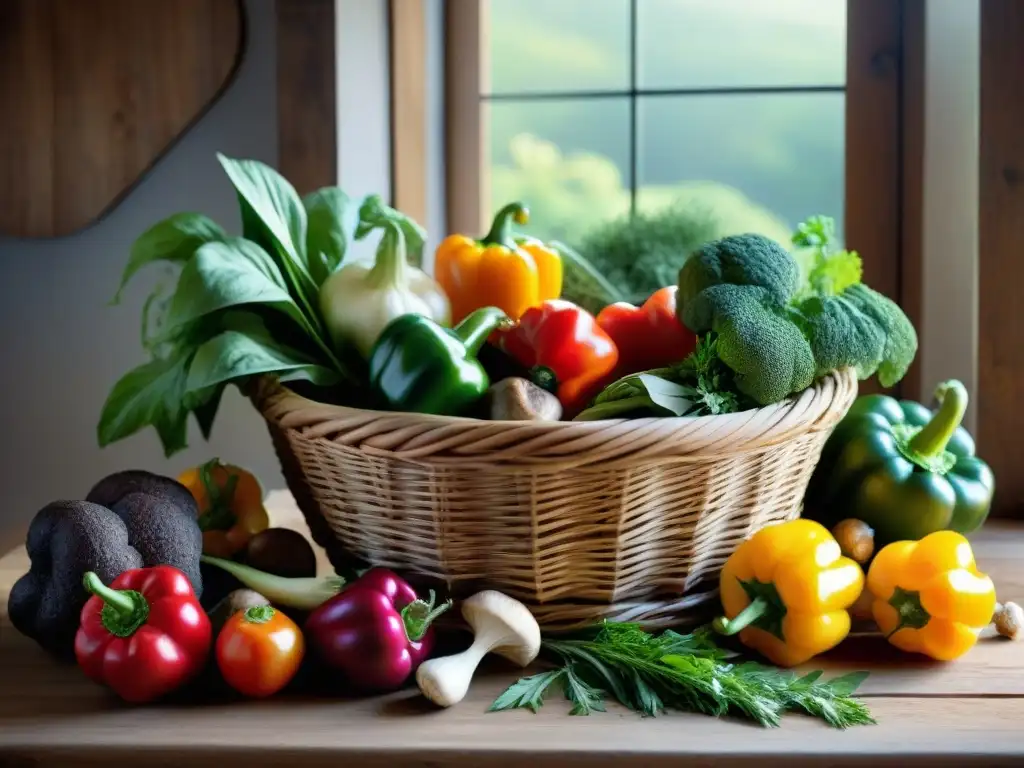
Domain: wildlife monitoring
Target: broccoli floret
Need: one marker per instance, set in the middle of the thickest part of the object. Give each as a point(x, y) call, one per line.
point(739, 260)
point(841, 335)
point(757, 339)
point(900, 337)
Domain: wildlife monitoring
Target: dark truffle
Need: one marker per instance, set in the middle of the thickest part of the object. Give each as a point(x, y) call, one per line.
point(163, 532)
point(66, 539)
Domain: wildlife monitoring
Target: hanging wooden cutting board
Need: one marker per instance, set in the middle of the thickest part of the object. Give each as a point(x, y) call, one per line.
point(93, 92)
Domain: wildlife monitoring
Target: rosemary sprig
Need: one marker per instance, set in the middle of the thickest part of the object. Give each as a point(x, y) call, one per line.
point(651, 673)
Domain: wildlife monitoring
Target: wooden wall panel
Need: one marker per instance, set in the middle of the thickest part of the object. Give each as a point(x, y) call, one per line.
point(409, 87)
point(307, 120)
point(93, 93)
point(1001, 251)
point(873, 150)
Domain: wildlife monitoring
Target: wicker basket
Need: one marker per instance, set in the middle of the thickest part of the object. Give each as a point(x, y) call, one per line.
point(621, 519)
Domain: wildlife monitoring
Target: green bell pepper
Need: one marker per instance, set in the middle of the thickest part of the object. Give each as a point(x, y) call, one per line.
point(419, 366)
point(902, 469)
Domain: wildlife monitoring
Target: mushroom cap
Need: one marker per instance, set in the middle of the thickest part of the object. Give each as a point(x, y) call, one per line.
point(493, 610)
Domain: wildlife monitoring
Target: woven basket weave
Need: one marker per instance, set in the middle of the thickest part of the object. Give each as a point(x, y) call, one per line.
point(622, 519)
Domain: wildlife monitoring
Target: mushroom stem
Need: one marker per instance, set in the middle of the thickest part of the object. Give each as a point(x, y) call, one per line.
point(445, 680)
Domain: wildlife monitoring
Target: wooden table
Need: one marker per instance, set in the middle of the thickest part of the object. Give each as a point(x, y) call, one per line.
point(967, 712)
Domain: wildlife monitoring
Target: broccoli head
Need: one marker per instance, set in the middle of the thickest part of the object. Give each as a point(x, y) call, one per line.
point(757, 339)
point(841, 335)
point(900, 337)
point(739, 260)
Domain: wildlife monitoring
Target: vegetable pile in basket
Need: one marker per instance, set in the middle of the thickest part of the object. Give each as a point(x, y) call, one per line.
point(739, 325)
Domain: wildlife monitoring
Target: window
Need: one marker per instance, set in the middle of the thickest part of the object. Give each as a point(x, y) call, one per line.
point(761, 113)
point(596, 109)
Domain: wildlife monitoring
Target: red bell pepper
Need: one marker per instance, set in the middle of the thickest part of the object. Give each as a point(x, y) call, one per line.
point(376, 632)
point(566, 350)
point(144, 635)
point(649, 336)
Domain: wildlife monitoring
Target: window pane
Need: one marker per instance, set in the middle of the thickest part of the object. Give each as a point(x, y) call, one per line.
point(567, 160)
point(539, 46)
point(741, 43)
point(783, 154)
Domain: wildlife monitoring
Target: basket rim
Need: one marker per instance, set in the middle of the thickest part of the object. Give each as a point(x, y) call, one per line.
point(268, 389)
point(429, 436)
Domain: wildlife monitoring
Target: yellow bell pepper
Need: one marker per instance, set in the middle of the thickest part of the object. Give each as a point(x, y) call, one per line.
point(230, 501)
point(498, 270)
point(929, 596)
point(786, 590)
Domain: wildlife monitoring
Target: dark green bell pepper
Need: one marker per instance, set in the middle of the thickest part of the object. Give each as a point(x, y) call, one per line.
point(902, 469)
point(419, 366)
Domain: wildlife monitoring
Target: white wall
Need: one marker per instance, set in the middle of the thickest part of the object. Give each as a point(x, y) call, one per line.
point(63, 347)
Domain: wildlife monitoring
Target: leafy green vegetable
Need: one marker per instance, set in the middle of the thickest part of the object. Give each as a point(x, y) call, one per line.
point(241, 306)
point(759, 342)
point(651, 673)
point(700, 385)
point(775, 338)
point(736, 260)
point(637, 255)
point(832, 271)
point(900, 337)
point(332, 218)
point(173, 240)
point(150, 395)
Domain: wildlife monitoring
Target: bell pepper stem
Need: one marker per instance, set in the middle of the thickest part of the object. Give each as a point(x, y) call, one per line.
point(501, 227)
point(219, 516)
point(931, 440)
point(754, 611)
point(390, 265)
point(124, 610)
point(418, 615)
point(478, 325)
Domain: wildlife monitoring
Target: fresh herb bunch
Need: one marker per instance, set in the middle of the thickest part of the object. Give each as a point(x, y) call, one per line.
point(700, 385)
point(832, 270)
point(629, 258)
point(241, 306)
point(652, 673)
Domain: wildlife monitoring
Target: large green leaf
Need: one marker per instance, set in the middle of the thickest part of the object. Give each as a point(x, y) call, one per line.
point(149, 395)
point(229, 274)
point(246, 349)
point(333, 218)
point(173, 240)
point(274, 218)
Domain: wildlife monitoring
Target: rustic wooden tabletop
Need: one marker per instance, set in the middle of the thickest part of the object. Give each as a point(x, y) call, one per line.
point(967, 712)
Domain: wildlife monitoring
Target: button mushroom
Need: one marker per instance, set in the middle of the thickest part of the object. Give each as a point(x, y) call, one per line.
point(500, 625)
point(516, 399)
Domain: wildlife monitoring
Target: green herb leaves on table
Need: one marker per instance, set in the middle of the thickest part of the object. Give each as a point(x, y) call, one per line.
point(652, 673)
point(240, 306)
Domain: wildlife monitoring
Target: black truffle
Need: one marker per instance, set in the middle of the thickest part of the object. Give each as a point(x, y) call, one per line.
point(163, 533)
point(112, 488)
point(66, 539)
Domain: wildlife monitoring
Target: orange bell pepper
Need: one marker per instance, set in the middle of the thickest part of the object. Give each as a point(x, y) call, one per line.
point(230, 502)
point(498, 270)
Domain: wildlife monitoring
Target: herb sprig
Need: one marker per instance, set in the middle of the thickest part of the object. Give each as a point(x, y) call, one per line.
point(652, 673)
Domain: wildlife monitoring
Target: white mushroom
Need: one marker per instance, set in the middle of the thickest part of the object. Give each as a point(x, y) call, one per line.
point(500, 625)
